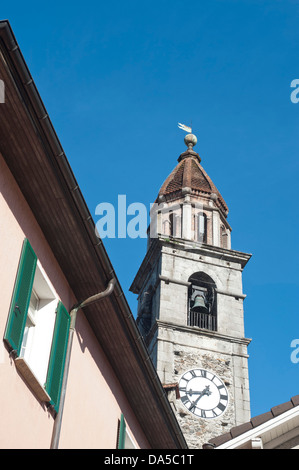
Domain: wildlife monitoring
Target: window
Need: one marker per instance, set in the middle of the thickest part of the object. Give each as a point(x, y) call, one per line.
point(174, 224)
point(39, 325)
point(171, 224)
point(37, 329)
point(202, 302)
point(29, 325)
point(124, 439)
point(202, 227)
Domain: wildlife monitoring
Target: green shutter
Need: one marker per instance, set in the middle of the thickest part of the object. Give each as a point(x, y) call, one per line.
point(122, 433)
point(57, 355)
point(21, 298)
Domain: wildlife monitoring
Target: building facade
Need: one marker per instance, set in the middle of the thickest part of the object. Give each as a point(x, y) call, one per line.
point(190, 303)
point(74, 372)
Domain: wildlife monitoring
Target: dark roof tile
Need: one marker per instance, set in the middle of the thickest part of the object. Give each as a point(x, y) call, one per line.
point(260, 419)
point(279, 409)
point(295, 400)
point(238, 430)
point(217, 441)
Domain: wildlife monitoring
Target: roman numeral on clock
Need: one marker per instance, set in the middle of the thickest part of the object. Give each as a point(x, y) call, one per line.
point(192, 408)
point(221, 406)
point(185, 399)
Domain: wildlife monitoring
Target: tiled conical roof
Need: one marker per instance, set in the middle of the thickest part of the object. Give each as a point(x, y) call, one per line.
point(190, 174)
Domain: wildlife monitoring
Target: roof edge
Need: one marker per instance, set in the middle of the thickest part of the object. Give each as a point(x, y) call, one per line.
point(253, 424)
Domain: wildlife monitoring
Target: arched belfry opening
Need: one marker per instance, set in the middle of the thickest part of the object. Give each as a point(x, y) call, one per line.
point(202, 302)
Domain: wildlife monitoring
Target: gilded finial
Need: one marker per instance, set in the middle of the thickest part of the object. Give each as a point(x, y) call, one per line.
point(190, 140)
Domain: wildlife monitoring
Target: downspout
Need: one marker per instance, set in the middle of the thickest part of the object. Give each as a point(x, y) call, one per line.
point(73, 315)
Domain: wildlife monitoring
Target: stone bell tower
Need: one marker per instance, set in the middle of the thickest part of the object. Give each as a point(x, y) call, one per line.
point(190, 303)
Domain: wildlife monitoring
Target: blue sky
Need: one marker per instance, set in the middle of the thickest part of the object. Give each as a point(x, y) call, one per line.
point(116, 77)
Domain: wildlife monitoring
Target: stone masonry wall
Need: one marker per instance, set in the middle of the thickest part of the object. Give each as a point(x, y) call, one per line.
point(196, 430)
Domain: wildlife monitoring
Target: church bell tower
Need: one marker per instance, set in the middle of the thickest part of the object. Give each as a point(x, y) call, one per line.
point(190, 303)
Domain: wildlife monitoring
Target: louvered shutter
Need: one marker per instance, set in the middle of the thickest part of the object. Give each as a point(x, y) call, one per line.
point(57, 355)
point(21, 298)
point(122, 433)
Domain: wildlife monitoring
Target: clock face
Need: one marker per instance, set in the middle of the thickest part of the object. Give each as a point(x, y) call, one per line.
point(203, 393)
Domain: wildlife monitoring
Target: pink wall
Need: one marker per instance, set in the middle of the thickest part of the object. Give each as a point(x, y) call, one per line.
point(94, 396)
point(87, 423)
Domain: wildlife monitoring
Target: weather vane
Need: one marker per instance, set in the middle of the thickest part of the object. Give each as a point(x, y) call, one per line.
point(185, 128)
point(190, 139)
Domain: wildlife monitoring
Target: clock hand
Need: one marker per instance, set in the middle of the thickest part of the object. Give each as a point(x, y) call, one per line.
point(205, 391)
point(193, 392)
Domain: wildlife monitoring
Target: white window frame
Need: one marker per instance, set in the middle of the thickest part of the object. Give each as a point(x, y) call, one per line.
point(37, 341)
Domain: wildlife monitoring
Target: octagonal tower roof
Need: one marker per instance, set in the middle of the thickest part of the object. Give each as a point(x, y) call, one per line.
point(190, 177)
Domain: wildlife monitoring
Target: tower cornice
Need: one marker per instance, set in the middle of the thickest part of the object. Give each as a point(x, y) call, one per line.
point(182, 245)
point(203, 332)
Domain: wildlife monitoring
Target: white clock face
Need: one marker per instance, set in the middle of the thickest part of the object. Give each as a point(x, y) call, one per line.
point(203, 393)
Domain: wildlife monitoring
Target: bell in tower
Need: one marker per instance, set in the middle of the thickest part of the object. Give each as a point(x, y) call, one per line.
point(199, 304)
